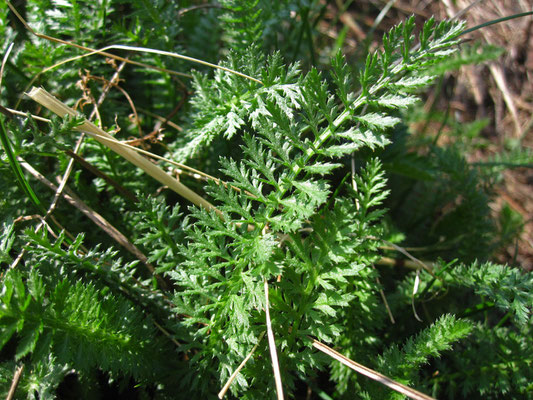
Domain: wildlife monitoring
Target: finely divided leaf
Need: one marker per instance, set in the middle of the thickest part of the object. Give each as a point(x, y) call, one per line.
point(380, 121)
point(396, 101)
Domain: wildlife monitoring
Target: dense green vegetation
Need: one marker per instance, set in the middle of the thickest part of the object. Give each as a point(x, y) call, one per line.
point(321, 194)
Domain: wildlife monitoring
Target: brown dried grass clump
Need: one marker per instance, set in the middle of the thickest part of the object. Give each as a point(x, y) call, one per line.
point(500, 91)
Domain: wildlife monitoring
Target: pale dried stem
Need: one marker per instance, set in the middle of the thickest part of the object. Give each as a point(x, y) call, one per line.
point(223, 391)
point(413, 258)
point(4, 60)
point(102, 51)
point(361, 369)
point(391, 262)
point(495, 69)
point(70, 164)
point(194, 173)
point(23, 114)
point(272, 347)
point(174, 55)
point(110, 139)
point(98, 220)
point(84, 48)
point(49, 229)
point(104, 225)
point(48, 101)
point(167, 334)
point(15, 382)
point(161, 119)
point(499, 77)
point(384, 299)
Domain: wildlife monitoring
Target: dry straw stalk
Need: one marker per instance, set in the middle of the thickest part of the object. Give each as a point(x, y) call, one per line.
point(48, 101)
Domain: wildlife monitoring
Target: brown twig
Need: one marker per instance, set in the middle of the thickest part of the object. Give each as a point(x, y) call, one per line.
point(100, 221)
point(361, 369)
point(121, 189)
point(15, 382)
point(222, 392)
point(87, 49)
point(126, 95)
point(272, 347)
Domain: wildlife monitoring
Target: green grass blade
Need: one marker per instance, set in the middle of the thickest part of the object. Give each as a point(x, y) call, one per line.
point(17, 170)
point(496, 21)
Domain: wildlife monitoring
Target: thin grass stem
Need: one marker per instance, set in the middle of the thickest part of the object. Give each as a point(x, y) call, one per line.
point(272, 347)
point(223, 391)
point(15, 382)
point(496, 21)
point(48, 101)
point(361, 369)
point(4, 60)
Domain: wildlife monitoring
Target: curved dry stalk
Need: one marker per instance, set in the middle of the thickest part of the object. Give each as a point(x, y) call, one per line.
point(179, 56)
point(84, 48)
point(384, 299)
point(195, 173)
point(163, 120)
point(98, 220)
point(223, 391)
point(23, 114)
point(48, 101)
point(139, 49)
point(92, 52)
point(15, 382)
point(411, 257)
point(361, 369)
point(272, 347)
point(4, 60)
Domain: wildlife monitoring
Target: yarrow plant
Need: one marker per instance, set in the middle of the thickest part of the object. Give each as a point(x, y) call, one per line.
point(275, 280)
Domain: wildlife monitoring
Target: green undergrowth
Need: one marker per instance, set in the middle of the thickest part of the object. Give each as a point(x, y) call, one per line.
point(322, 192)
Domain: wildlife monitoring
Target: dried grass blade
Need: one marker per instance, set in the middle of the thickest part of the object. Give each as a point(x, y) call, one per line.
point(15, 382)
point(48, 101)
point(272, 347)
point(501, 82)
point(4, 60)
point(223, 391)
point(94, 51)
point(179, 56)
point(390, 383)
point(99, 221)
point(410, 256)
point(103, 52)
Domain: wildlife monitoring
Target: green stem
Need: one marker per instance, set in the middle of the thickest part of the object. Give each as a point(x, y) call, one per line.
point(496, 21)
point(165, 233)
point(504, 319)
point(486, 305)
point(17, 170)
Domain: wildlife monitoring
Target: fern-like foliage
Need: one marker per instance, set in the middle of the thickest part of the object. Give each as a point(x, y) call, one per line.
point(404, 364)
point(307, 160)
point(242, 22)
point(38, 383)
point(509, 288)
point(161, 230)
point(492, 363)
point(294, 130)
point(78, 325)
